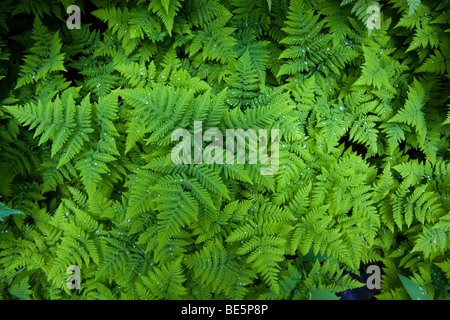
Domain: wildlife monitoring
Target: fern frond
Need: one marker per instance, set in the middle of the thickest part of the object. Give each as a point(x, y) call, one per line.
point(166, 282)
point(60, 121)
point(166, 10)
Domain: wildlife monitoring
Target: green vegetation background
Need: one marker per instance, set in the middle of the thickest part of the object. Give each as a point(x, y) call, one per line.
point(86, 178)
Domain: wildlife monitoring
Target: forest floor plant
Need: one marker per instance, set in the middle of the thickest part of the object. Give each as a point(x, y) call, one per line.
point(358, 101)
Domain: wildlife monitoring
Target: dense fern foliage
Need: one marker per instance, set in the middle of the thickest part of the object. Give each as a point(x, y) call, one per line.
point(87, 177)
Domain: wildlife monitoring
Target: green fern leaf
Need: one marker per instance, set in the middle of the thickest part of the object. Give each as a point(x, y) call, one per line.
point(412, 113)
